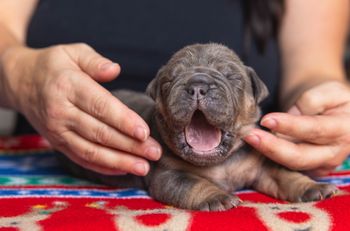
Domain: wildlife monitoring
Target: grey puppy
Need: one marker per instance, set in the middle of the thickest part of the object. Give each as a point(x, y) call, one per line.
point(201, 104)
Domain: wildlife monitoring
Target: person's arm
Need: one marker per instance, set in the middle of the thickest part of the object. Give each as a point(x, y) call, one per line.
point(55, 88)
point(14, 17)
point(315, 133)
point(312, 43)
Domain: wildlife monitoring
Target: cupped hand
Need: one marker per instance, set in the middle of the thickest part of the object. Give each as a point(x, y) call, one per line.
point(56, 90)
point(314, 135)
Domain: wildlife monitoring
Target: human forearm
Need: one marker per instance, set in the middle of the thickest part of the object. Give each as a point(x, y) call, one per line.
point(14, 17)
point(7, 84)
point(7, 39)
point(312, 39)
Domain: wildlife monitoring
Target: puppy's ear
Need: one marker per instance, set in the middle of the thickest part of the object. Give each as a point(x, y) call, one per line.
point(260, 90)
point(152, 88)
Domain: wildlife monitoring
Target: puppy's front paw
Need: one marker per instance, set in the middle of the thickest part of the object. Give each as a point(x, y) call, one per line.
point(219, 202)
point(318, 192)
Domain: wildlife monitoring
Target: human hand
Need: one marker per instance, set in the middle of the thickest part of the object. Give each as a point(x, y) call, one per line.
point(314, 135)
point(56, 89)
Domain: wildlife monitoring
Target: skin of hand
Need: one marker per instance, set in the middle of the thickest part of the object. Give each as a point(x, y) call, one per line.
point(56, 89)
point(314, 135)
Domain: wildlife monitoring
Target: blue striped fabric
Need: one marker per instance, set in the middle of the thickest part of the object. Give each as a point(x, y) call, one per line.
point(33, 175)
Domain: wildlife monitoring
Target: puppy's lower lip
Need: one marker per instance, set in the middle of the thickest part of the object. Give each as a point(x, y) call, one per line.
point(202, 136)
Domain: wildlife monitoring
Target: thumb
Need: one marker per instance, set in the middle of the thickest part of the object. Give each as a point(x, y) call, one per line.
point(92, 63)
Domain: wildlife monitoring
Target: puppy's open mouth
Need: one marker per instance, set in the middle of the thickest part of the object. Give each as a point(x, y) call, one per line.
point(200, 135)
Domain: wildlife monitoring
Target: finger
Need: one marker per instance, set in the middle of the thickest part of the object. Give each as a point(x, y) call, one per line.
point(95, 65)
point(301, 156)
point(101, 104)
point(315, 129)
point(100, 157)
point(286, 137)
point(323, 97)
point(91, 166)
point(101, 133)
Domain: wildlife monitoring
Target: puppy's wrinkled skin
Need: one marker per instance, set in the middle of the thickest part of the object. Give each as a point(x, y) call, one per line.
point(203, 101)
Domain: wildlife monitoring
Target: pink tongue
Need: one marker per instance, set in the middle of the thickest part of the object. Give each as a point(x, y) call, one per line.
point(200, 135)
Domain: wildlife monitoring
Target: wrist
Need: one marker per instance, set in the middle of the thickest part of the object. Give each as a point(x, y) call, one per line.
point(14, 65)
point(294, 83)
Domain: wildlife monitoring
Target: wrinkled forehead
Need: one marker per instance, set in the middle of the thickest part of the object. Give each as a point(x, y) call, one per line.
point(213, 59)
point(203, 54)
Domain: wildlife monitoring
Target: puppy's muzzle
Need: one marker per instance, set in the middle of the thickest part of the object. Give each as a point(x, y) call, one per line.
point(198, 86)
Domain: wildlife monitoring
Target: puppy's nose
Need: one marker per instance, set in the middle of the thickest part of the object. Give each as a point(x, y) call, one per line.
point(198, 86)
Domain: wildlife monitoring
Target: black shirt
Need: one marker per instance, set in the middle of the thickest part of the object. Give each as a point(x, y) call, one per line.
point(142, 35)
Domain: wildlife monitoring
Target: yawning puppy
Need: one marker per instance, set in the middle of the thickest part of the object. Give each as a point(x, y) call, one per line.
point(203, 101)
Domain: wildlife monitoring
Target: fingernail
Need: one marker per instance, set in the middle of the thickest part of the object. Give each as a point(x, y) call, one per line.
point(269, 123)
point(107, 66)
point(140, 133)
point(140, 169)
point(252, 139)
point(153, 153)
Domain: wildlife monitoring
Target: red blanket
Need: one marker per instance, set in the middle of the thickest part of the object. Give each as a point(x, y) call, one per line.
point(35, 194)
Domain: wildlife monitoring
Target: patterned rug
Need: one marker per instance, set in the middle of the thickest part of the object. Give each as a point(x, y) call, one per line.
point(36, 194)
